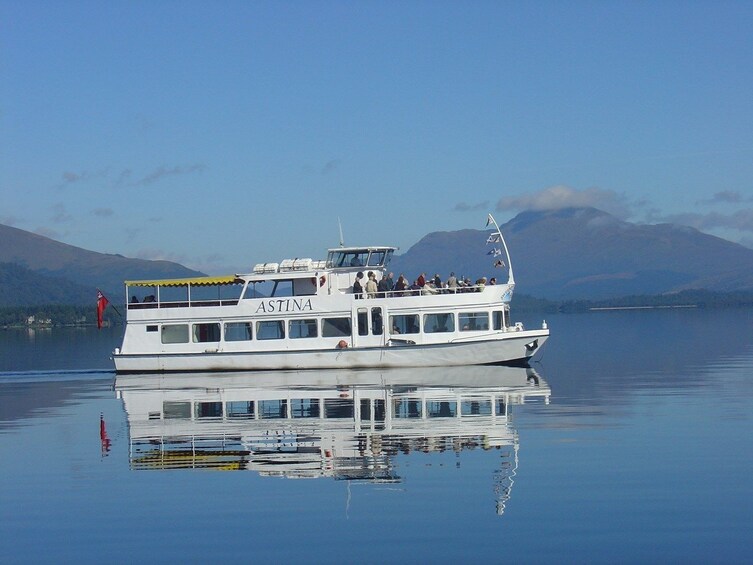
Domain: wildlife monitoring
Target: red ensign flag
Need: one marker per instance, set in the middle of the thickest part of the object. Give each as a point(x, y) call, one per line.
point(102, 303)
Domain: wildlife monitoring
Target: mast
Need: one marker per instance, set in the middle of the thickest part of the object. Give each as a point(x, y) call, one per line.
point(510, 278)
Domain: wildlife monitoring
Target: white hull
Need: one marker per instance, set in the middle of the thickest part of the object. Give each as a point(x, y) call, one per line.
point(500, 348)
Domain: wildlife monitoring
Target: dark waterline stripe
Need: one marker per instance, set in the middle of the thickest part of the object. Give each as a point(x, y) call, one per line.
point(59, 375)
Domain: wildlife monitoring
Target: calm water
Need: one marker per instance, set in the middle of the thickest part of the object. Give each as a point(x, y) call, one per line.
point(629, 441)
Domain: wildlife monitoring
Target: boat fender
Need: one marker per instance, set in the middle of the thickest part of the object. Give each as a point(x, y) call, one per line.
point(342, 344)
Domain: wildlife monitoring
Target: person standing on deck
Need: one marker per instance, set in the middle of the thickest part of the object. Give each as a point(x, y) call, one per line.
point(371, 286)
point(452, 283)
point(357, 287)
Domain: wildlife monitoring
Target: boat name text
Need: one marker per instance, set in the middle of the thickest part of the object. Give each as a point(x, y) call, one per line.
point(285, 305)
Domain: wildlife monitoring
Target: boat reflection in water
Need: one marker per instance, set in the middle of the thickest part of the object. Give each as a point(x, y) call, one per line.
point(348, 425)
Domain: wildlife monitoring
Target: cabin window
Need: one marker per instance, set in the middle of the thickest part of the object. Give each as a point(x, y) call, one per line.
point(270, 329)
point(377, 322)
point(176, 410)
point(441, 409)
point(203, 333)
point(175, 333)
point(273, 408)
point(304, 408)
point(498, 317)
point(363, 321)
point(404, 324)
point(208, 410)
point(238, 331)
point(473, 321)
point(152, 328)
point(439, 323)
point(304, 287)
point(302, 328)
point(476, 408)
point(407, 408)
point(339, 408)
point(241, 409)
point(501, 407)
point(336, 327)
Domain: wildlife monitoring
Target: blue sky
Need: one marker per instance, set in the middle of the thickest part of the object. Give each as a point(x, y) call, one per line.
point(222, 134)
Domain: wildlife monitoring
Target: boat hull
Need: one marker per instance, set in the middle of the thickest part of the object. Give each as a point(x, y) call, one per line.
point(505, 348)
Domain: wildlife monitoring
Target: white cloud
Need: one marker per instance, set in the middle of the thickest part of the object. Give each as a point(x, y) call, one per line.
point(742, 220)
point(59, 214)
point(464, 207)
point(9, 220)
point(560, 196)
point(726, 197)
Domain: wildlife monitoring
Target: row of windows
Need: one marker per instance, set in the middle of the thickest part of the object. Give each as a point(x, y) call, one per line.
point(330, 327)
point(331, 408)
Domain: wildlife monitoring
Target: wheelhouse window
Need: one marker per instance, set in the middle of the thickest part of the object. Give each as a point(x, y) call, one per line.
point(336, 327)
point(439, 323)
point(347, 258)
point(270, 329)
point(302, 329)
point(203, 333)
point(239, 331)
point(473, 321)
point(380, 258)
point(404, 324)
point(175, 333)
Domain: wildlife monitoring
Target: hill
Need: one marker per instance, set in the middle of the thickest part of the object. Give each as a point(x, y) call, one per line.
point(38, 270)
point(584, 253)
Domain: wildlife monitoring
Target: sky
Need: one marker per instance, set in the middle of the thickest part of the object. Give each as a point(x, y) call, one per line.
point(228, 133)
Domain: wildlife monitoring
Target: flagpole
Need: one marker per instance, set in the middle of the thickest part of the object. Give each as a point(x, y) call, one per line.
point(510, 277)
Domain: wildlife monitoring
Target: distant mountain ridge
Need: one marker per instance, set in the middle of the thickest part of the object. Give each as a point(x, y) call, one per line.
point(573, 253)
point(585, 253)
point(38, 270)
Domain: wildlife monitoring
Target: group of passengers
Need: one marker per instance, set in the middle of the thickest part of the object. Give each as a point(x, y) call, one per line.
point(388, 287)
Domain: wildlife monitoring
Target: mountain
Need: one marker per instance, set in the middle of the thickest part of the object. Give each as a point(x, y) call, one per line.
point(584, 253)
point(39, 270)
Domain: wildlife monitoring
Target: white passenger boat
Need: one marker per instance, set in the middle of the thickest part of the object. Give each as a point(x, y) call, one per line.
point(305, 314)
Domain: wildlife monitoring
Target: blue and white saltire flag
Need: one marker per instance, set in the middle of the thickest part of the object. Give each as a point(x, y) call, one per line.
point(496, 252)
point(493, 238)
point(499, 263)
point(489, 220)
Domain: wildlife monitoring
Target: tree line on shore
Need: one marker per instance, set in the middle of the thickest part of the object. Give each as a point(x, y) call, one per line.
point(68, 315)
point(55, 315)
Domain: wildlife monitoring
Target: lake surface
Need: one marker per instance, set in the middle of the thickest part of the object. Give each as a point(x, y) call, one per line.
point(629, 440)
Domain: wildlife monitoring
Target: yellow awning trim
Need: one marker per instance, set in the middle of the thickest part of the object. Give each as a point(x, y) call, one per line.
point(198, 281)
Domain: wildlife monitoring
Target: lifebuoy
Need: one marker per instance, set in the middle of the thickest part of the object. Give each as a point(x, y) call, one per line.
point(322, 280)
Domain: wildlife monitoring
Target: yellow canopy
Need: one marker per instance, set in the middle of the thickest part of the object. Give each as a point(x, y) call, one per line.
point(198, 281)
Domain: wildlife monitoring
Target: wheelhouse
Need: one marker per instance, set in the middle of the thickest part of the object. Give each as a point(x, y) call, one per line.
point(357, 257)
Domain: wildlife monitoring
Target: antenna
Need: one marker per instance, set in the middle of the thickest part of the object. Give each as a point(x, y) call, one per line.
point(339, 225)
